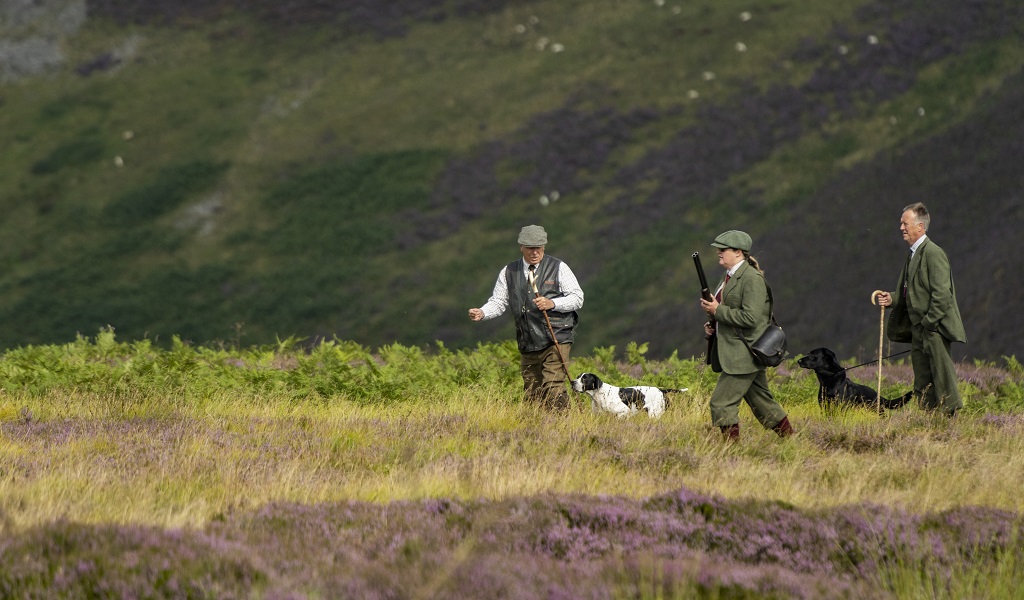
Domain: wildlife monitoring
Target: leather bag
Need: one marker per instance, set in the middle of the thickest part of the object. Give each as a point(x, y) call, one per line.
point(770, 349)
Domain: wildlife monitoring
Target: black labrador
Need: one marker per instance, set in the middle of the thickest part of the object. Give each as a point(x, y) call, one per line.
point(835, 390)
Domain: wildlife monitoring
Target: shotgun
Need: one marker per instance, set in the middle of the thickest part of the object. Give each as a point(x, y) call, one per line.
point(705, 293)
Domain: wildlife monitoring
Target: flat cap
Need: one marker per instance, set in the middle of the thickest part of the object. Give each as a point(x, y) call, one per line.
point(533, 235)
point(733, 239)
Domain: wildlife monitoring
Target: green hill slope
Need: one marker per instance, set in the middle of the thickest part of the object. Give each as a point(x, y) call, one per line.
point(246, 171)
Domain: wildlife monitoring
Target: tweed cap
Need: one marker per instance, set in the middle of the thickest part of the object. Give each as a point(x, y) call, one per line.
point(733, 239)
point(533, 235)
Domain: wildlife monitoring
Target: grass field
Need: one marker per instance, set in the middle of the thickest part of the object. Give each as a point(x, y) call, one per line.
point(118, 458)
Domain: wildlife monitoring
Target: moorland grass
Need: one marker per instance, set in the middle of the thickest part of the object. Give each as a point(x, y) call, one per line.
point(170, 461)
point(116, 458)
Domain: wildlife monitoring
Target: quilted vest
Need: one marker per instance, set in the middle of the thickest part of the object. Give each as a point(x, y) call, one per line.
point(532, 332)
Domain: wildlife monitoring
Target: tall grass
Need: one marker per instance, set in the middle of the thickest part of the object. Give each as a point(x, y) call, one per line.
point(106, 431)
point(430, 459)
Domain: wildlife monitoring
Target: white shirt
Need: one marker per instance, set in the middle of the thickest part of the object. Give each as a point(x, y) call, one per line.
point(731, 273)
point(914, 247)
point(572, 300)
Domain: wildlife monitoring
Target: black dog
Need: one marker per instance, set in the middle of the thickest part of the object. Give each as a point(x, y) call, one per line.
point(836, 390)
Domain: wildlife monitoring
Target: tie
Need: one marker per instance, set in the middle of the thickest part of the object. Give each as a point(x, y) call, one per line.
point(906, 273)
point(532, 277)
point(718, 296)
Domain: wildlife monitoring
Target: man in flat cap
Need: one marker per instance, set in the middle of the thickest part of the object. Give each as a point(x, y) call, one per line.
point(530, 286)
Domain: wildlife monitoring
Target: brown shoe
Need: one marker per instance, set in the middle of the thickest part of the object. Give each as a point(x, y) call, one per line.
point(784, 429)
point(730, 433)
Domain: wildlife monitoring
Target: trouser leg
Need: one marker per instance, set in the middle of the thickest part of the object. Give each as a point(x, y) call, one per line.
point(935, 378)
point(531, 368)
point(726, 398)
point(766, 409)
point(543, 377)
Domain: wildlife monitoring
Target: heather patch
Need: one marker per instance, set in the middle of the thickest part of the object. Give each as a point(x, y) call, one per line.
point(337, 471)
point(551, 545)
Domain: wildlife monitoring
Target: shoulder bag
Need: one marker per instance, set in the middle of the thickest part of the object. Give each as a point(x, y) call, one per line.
point(770, 349)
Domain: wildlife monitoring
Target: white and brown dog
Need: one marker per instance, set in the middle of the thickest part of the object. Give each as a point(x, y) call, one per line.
point(626, 401)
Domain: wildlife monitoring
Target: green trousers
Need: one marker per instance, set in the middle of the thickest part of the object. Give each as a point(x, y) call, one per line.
point(752, 387)
point(934, 374)
point(543, 377)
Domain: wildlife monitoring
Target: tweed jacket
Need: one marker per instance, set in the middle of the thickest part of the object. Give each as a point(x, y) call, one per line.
point(745, 311)
point(930, 299)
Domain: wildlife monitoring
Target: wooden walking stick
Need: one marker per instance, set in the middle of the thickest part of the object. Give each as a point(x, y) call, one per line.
point(881, 339)
point(551, 330)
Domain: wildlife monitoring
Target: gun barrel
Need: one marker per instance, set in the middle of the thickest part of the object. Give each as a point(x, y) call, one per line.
point(705, 291)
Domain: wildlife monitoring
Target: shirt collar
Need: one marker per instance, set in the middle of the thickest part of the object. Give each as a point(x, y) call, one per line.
point(917, 244)
point(736, 267)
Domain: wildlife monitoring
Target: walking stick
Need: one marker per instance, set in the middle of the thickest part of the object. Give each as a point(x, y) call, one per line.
point(881, 339)
point(551, 330)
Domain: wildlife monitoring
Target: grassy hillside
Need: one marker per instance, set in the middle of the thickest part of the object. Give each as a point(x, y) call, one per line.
point(248, 171)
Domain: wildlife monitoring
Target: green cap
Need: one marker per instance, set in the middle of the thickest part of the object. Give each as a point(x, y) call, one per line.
point(733, 239)
point(533, 235)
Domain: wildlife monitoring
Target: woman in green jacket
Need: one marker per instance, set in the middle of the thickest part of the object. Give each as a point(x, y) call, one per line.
point(740, 311)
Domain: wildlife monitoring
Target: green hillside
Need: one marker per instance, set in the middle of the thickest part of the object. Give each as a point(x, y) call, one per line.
point(250, 171)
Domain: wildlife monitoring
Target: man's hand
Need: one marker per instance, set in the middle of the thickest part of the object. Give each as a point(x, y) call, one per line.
point(883, 298)
point(476, 314)
point(543, 303)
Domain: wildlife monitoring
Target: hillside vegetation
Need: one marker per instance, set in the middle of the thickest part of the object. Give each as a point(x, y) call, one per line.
point(248, 171)
point(336, 472)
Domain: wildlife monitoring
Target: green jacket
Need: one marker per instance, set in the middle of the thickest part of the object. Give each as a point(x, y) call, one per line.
point(745, 311)
point(930, 299)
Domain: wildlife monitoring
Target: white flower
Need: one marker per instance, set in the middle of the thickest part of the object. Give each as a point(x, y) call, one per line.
point(693, 94)
point(534, 20)
point(659, 3)
point(920, 111)
point(872, 40)
point(128, 134)
point(843, 49)
point(118, 161)
point(520, 28)
point(677, 10)
point(741, 47)
point(893, 120)
point(745, 16)
point(542, 43)
point(555, 195)
point(544, 201)
point(708, 75)
point(557, 47)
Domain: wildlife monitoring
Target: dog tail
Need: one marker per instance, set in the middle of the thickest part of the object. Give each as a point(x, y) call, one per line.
point(668, 391)
point(897, 402)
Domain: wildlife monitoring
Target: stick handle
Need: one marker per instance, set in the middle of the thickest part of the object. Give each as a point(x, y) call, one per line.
point(881, 341)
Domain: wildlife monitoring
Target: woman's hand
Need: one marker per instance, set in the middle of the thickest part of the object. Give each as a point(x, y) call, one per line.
point(709, 306)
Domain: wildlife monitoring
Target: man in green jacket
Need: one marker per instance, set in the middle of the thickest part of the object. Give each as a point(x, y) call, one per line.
point(926, 315)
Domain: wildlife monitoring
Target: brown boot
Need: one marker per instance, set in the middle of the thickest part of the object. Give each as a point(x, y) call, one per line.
point(730, 433)
point(784, 429)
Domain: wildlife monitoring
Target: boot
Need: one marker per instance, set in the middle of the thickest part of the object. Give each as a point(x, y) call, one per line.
point(730, 433)
point(784, 429)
